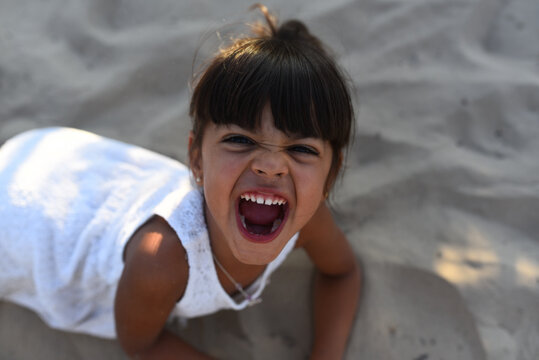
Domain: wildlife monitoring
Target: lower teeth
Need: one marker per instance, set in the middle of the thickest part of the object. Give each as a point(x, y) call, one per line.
point(274, 227)
point(276, 224)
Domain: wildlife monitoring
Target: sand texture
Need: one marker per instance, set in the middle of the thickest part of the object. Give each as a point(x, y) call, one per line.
point(440, 198)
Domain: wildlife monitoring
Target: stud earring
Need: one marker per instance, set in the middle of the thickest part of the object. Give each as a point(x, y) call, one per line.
point(198, 179)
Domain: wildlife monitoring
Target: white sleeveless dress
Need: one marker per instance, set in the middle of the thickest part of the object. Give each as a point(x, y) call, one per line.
point(69, 202)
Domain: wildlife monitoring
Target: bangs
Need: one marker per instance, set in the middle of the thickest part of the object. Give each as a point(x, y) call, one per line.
point(305, 90)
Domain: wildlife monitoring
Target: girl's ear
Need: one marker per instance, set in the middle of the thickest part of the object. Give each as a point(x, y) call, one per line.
point(195, 158)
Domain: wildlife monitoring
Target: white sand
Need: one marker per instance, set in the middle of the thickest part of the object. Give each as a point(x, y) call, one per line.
point(441, 194)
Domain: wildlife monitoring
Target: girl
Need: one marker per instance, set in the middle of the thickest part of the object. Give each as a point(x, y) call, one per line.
point(110, 239)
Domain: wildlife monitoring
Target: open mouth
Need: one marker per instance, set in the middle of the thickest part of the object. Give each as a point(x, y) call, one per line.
point(261, 217)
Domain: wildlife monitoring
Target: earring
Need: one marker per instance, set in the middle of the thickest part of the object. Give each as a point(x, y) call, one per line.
point(198, 179)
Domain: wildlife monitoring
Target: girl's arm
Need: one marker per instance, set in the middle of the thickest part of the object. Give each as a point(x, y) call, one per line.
point(337, 287)
point(153, 280)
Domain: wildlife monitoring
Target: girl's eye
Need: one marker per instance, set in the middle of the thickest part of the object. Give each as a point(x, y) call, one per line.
point(239, 139)
point(303, 149)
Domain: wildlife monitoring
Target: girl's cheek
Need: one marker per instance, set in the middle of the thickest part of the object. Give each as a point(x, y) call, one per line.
point(309, 189)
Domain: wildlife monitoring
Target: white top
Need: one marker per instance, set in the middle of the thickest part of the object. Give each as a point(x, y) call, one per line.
point(69, 202)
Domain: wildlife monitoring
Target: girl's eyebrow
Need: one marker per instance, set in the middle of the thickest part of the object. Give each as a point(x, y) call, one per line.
point(293, 136)
point(301, 137)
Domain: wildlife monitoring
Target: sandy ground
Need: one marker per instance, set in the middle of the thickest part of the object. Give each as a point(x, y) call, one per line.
point(441, 193)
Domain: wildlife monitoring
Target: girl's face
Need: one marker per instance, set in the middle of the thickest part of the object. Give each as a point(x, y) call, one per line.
point(260, 187)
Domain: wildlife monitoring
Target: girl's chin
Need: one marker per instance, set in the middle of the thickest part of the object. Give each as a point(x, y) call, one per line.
point(250, 253)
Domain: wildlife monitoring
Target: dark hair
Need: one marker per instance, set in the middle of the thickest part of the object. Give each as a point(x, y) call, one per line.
point(287, 67)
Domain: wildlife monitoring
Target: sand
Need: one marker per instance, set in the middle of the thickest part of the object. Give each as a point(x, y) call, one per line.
point(441, 192)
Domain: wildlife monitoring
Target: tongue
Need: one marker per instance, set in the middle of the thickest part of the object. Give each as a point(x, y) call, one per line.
point(259, 214)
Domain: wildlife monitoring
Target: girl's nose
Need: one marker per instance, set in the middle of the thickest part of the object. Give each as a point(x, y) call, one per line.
point(270, 164)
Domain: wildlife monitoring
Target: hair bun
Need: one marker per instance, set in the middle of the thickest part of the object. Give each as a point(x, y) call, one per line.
point(291, 30)
point(294, 30)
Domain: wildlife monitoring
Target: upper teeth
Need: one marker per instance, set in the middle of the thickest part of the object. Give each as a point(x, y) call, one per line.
point(263, 199)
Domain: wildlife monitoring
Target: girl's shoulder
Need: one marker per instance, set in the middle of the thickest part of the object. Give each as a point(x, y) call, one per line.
point(153, 280)
point(155, 257)
point(326, 244)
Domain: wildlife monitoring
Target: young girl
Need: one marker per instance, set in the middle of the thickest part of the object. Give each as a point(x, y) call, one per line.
point(109, 239)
